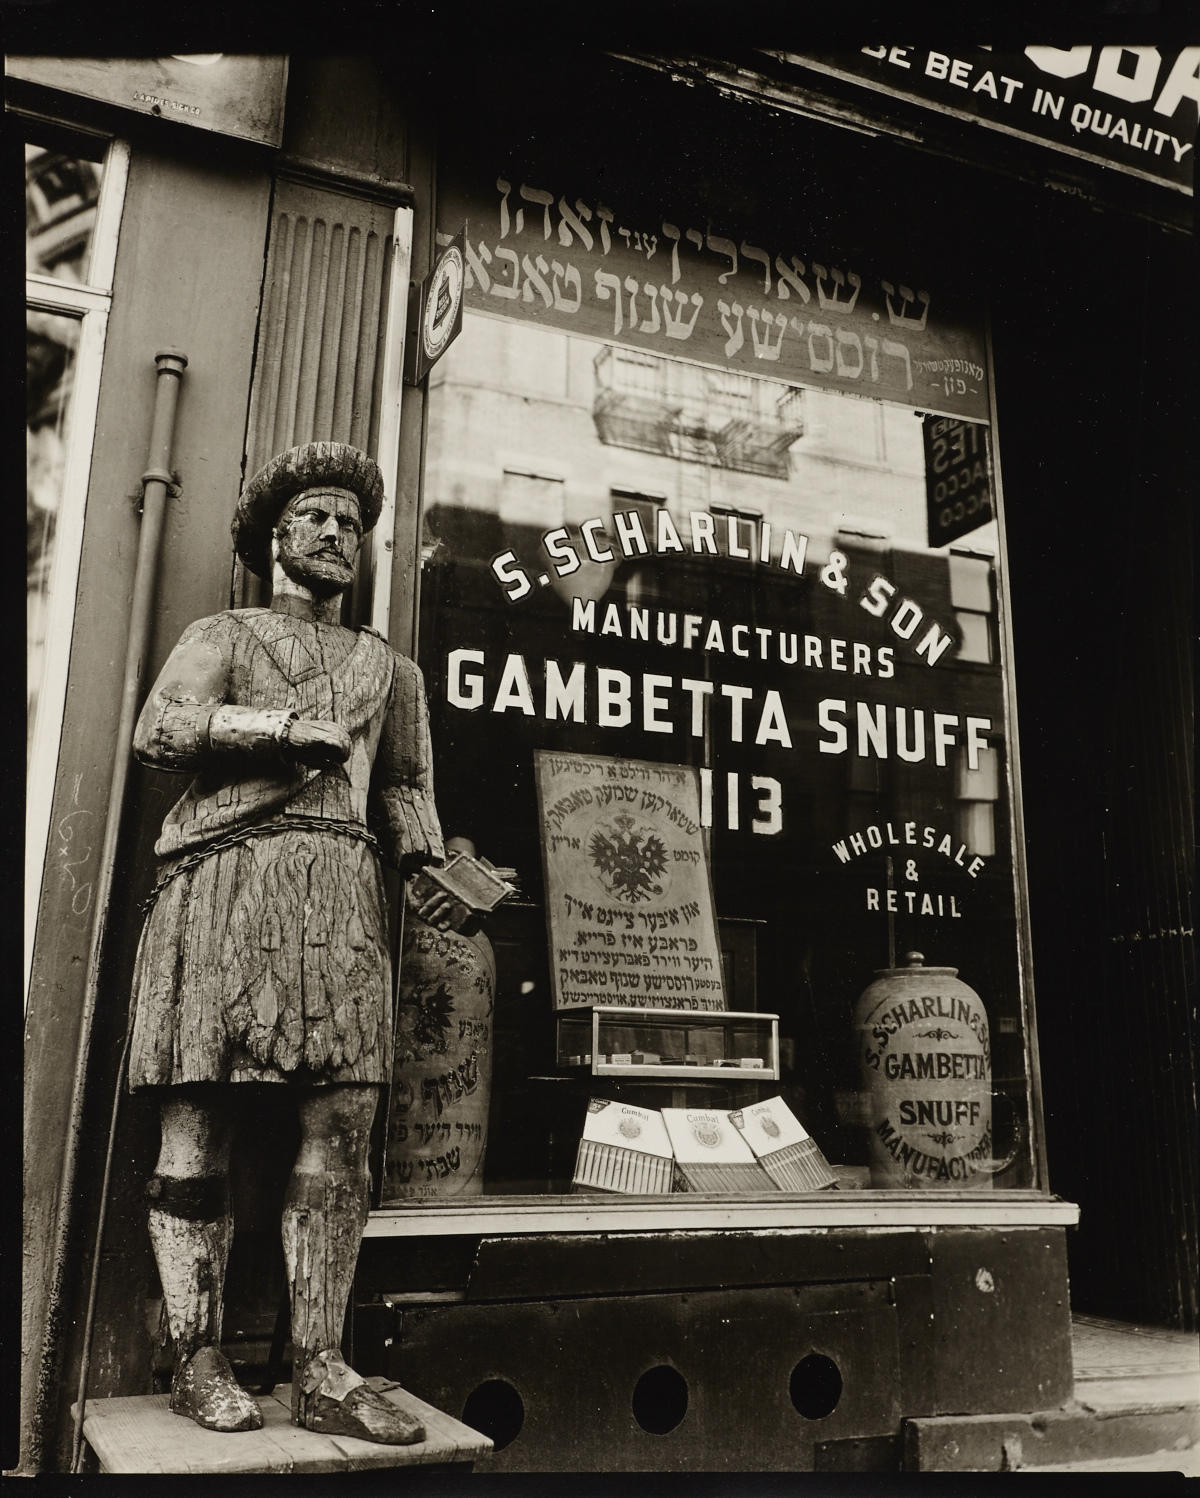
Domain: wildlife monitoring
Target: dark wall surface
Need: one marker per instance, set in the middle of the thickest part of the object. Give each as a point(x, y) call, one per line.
point(1094, 321)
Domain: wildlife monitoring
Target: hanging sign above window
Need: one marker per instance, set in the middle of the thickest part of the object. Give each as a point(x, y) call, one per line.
point(958, 485)
point(231, 95)
point(436, 310)
point(801, 315)
point(1131, 108)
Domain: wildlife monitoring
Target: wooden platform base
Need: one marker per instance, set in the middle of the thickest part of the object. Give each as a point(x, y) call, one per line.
point(141, 1434)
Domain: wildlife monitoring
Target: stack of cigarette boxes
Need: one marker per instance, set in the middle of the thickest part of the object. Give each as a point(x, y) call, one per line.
point(641, 1151)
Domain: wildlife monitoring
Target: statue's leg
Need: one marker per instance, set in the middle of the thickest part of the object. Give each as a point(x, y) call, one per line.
point(324, 1214)
point(191, 1228)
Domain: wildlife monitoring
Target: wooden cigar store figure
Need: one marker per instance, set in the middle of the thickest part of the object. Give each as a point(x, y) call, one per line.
point(265, 957)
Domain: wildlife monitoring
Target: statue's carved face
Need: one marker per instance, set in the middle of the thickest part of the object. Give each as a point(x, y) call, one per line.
point(318, 537)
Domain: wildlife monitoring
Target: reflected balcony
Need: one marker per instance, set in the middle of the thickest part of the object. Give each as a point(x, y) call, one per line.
point(677, 410)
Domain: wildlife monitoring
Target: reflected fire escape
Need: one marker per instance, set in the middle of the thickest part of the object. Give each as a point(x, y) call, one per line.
point(716, 417)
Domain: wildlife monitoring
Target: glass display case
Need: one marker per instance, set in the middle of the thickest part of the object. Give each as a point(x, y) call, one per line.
point(668, 1044)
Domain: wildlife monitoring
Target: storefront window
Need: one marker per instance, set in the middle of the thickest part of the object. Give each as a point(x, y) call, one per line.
point(62, 190)
point(51, 341)
point(712, 669)
point(73, 196)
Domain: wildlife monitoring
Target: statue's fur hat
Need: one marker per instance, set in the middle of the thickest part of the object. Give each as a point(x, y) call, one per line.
point(313, 465)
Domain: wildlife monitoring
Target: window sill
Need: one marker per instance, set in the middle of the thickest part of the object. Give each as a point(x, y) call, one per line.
point(822, 1211)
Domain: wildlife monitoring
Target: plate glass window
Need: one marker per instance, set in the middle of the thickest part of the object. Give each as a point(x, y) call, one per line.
point(74, 189)
point(710, 670)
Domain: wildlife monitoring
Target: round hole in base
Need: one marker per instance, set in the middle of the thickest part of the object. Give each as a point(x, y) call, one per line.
point(660, 1399)
point(815, 1386)
point(495, 1410)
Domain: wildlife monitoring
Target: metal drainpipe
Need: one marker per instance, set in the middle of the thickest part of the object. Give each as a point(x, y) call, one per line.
point(156, 483)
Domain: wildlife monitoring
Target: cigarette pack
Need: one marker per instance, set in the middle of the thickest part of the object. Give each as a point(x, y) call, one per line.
point(710, 1153)
point(782, 1146)
point(476, 882)
point(623, 1149)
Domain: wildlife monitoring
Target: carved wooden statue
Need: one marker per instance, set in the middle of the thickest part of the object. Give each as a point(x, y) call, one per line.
point(264, 957)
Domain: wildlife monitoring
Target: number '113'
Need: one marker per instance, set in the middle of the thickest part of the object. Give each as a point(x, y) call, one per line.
point(765, 798)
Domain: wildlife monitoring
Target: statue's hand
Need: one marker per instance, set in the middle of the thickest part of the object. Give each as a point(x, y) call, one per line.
point(442, 911)
point(322, 746)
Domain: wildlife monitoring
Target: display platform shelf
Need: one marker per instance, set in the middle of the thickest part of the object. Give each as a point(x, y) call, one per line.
point(140, 1434)
point(669, 1045)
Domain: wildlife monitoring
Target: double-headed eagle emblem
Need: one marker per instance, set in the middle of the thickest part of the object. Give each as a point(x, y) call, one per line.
point(629, 859)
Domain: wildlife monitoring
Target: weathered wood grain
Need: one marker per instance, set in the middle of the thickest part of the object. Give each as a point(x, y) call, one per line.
point(324, 1214)
point(267, 958)
point(140, 1434)
point(198, 1253)
point(265, 955)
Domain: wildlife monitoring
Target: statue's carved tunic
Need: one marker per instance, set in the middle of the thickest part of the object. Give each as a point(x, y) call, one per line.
point(265, 955)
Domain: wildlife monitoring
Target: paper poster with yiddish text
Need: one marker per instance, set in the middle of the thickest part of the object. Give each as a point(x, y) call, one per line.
point(628, 892)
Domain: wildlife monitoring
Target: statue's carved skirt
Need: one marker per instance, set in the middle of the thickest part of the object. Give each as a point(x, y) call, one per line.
point(266, 962)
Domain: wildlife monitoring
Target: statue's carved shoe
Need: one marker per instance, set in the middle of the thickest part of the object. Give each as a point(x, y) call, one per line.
point(366, 1414)
point(337, 1401)
point(205, 1390)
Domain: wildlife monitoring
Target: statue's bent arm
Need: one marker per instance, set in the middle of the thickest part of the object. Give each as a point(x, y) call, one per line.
point(402, 808)
point(186, 720)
